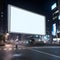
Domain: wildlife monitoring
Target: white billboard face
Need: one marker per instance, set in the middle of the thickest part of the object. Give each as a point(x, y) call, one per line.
point(22, 21)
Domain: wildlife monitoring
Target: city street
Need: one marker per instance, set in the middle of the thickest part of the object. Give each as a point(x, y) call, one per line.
point(30, 53)
point(29, 29)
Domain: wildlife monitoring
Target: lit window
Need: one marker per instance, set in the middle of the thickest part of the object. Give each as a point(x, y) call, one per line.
point(56, 12)
point(53, 6)
point(59, 17)
point(54, 17)
point(54, 29)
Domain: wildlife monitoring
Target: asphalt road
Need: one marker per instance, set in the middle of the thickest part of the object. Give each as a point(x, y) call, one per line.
point(30, 53)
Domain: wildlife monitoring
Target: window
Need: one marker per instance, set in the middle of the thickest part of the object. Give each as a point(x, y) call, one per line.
point(53, 6)
point(54, 29)
point(59, 17)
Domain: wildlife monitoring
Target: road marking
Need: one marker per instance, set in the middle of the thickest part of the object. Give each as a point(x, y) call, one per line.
point(45, 53)
point(16, 55)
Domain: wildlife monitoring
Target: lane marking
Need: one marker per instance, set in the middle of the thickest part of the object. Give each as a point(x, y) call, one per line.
point(56, 56)
point(16, 55)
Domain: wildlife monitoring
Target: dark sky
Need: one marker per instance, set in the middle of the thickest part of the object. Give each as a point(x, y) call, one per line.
point(38, 6)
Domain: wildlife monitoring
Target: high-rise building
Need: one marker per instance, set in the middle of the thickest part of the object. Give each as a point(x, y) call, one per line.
point(58, 32)
point(55, 9)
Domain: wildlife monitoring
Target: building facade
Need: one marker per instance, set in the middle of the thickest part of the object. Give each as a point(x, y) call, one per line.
point(55, 9)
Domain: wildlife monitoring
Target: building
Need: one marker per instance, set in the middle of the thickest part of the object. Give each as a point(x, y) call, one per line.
point(55, 15)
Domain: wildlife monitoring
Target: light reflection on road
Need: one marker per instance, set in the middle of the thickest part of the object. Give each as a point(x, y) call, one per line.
point(10, 47)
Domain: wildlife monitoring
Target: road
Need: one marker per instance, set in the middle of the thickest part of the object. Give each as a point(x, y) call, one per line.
point(30, 53)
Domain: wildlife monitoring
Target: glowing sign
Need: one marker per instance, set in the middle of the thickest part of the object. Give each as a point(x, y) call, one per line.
point(54, 29)
point(54, 6)
point(59, 17)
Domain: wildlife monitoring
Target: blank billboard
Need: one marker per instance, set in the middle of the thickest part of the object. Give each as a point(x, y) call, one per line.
point(23, 21)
